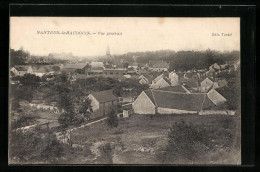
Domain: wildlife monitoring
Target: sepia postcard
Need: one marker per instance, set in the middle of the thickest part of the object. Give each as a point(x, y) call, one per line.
point(124, 90)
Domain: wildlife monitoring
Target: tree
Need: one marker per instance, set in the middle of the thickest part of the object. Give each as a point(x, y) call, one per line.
point(23, 120)
point(18, 57)
point(186, 143)
point(105, 154)
point(53, 150)
point(30, 80)
point(65, 102)
point(23, 93)
point(125, 65)
point(112, 120)
point(15, 104)
point(66, 119)
point(118, 91)
point(86, 108)
point(33, 146)
point(62, 78)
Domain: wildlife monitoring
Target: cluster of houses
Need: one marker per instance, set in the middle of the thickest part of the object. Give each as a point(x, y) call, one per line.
point(190, 92)
point(38, 70)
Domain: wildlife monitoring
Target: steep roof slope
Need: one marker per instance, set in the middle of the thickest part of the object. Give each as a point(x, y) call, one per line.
point(75, 66)
point(215, 97)
point(104, 96)
point(182, 101)
point(177, 88)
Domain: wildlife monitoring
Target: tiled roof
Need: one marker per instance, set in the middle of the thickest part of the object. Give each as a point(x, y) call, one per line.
point(97, 64)
point(150, 95)
point(158, 78)
point(114, 70)
point(81, 76)
point(189, 82)
point(216, 97)
point(177, 88)
point(167, 80)
point(104, 96)
point(97, 68)
point(133, 64)
point(161, 65)
point(22, 67)
point(181, 101)
point(75, 66)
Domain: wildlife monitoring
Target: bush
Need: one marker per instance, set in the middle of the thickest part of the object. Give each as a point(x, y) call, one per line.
point(77, 120)
point(118, 131)
point(34, 146)
point(112, 120)
point(66, 119)
point(184, 140)
point(105, 154)
point(23, 121)
point(189, 143)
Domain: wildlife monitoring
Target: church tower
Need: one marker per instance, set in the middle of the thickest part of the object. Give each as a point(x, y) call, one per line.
point(108, 52)
point(174, 78)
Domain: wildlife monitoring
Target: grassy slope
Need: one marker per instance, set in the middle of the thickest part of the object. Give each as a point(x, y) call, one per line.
point(142, 136)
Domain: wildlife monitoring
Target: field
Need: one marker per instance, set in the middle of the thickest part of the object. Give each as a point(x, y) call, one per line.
point(141, 139)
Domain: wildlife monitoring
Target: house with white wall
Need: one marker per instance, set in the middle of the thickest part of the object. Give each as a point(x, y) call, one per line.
point(166, 102)
point(21, 70)
point(102, 102)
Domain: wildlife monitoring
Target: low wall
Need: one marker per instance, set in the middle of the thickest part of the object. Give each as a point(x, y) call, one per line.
point(175, 111)
point(217, 112)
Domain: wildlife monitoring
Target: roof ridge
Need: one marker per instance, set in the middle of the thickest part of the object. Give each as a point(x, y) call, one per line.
point(185, 89)
point(154, 99)
point(180, 92)
point(203, 102)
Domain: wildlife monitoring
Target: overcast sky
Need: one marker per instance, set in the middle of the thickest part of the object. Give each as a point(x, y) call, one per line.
point(138, 34)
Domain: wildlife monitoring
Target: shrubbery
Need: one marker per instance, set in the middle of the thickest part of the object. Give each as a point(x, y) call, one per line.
point(23, 120)
point(105, 154)
point(188, 143)
point(34, 146)
point(112, 120)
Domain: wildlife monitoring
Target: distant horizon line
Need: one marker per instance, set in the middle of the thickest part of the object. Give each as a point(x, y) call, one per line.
point(93, 56)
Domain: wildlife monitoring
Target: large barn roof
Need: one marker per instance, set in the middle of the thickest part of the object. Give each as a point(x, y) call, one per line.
point(177, 88)
point(104, 96)
point(182, 101)
point(75, 66)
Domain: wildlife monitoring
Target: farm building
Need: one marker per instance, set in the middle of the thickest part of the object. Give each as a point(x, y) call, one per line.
point(166, 102)
point(191, 84)
point(124, 77)
point(158, 78)
point(206, 84)
point(75, 67)
point(163, 82)
point(174, 78)
point(145, 79)
point(115, 72)
point(216, 97)
point(133, 65)
point(191, 75)
point(159, 66)
point(21, 70)
point(102, 102)
point(176, 89)
point(44, 69)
